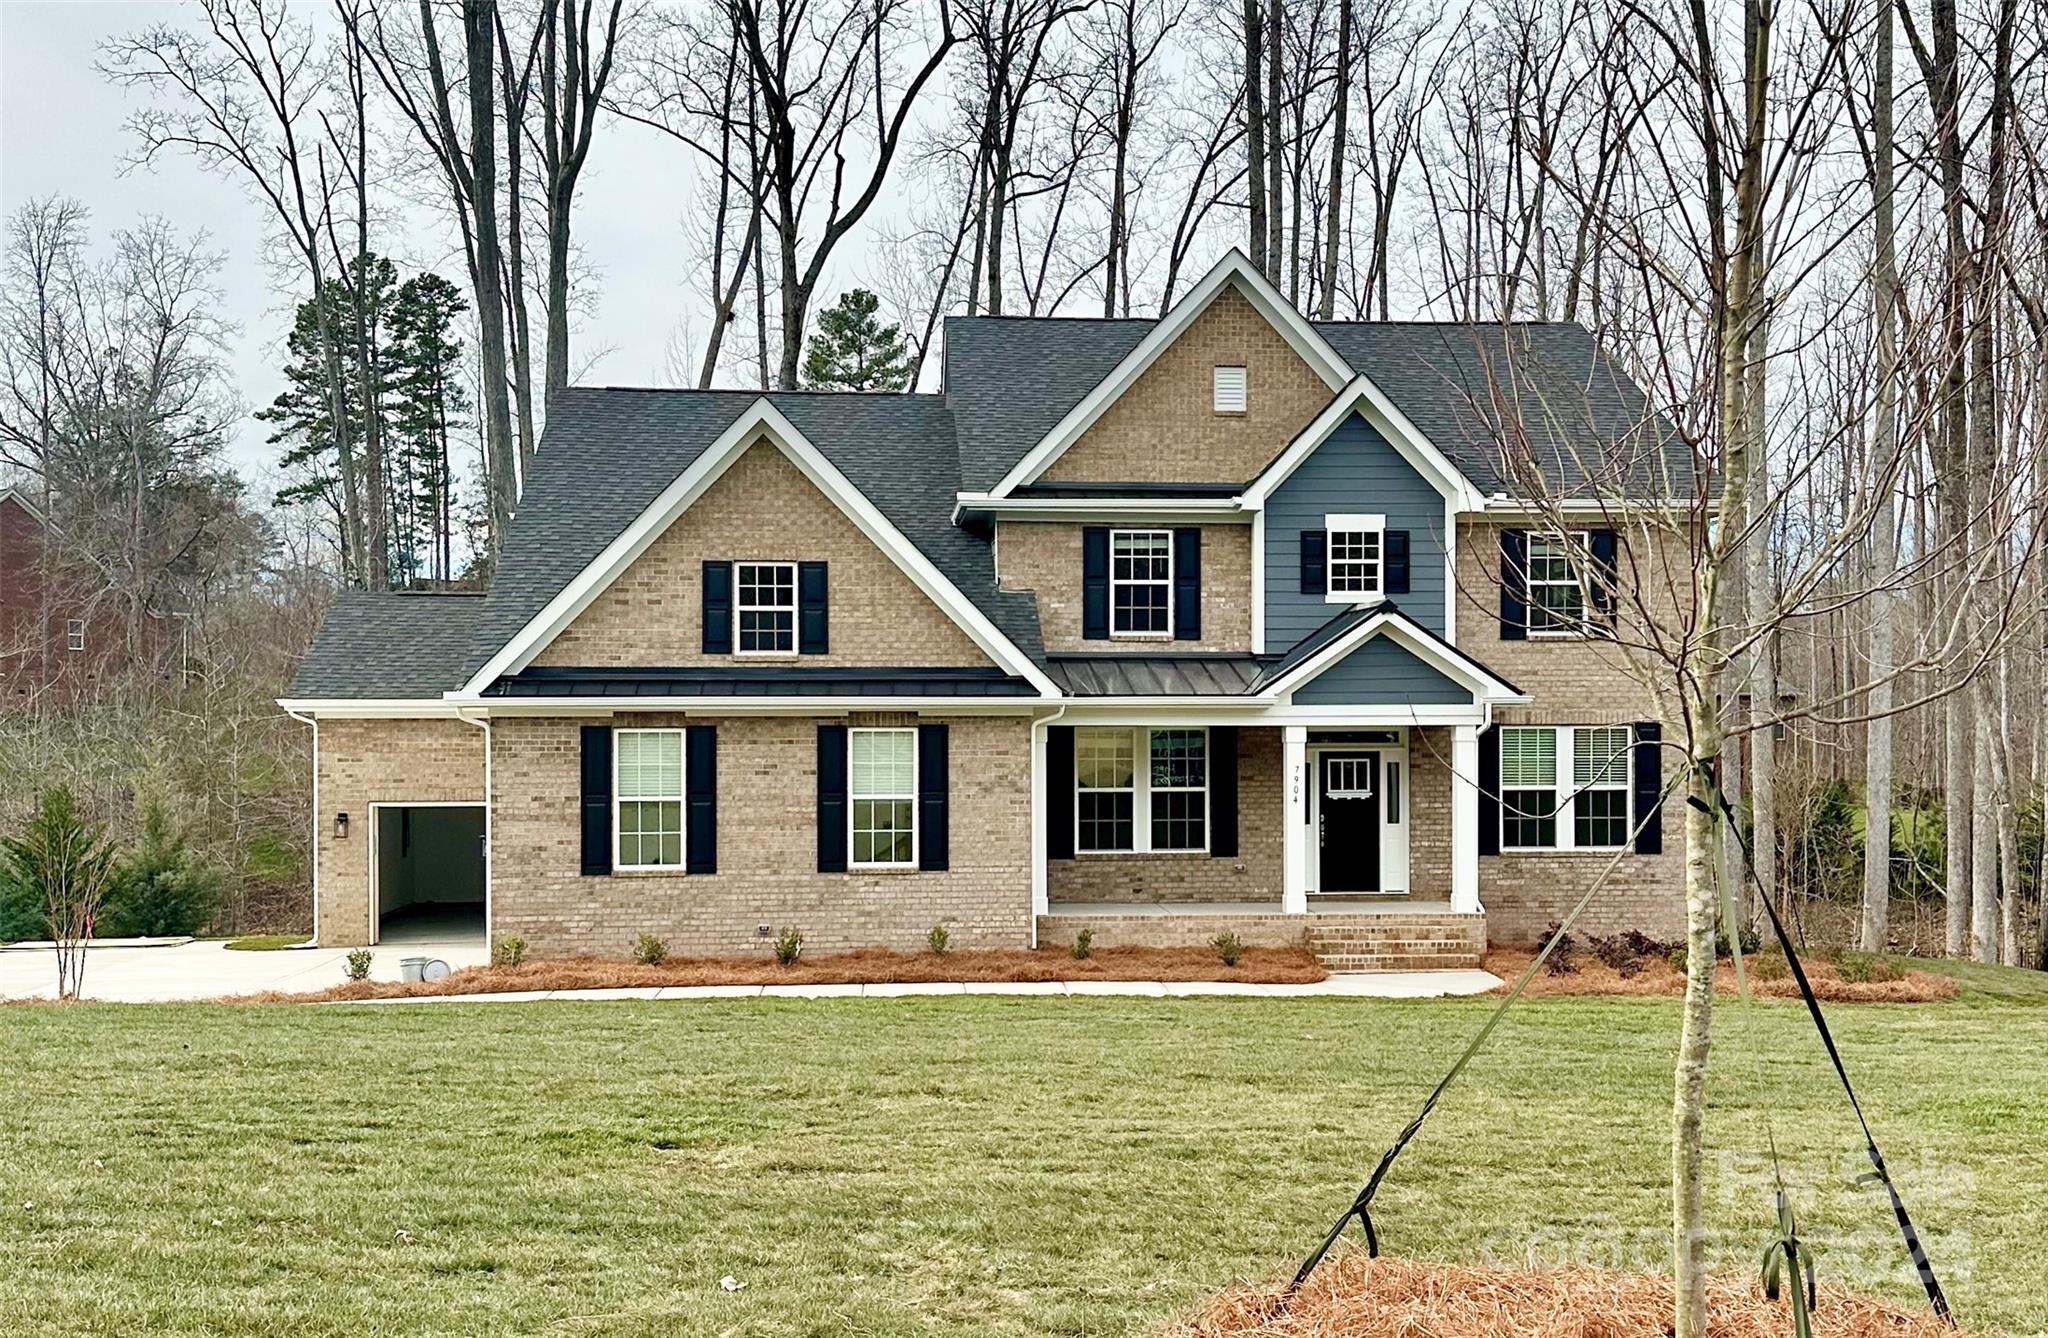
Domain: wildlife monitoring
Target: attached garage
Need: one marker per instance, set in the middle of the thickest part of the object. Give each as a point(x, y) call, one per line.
point(428, 883)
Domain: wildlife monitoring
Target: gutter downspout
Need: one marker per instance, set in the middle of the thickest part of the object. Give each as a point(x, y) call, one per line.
point(1040, 899)
point(483, 722)
point(313, 721)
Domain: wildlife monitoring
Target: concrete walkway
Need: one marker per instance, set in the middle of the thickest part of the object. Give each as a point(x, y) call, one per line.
point(205, 969)
point(1354, 985)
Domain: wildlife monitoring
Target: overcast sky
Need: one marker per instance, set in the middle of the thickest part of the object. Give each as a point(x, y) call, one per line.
point(61, 133)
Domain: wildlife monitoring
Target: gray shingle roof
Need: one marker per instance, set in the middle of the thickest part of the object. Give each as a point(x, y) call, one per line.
point(609, 453)
point(389, 646)
point(1542, 385)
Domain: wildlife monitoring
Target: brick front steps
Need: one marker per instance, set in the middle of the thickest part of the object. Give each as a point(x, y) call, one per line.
point(1347, 940)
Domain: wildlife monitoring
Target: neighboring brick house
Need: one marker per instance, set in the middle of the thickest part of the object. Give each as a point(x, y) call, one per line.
point(1155, 628)
point(57, 644)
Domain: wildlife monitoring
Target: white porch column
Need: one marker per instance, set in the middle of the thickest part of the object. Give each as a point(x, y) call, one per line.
point(1465, 819)
point(1040, 898)
point(1294, 818)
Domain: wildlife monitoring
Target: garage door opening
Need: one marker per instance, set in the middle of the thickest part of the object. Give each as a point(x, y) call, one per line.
point(430, 872)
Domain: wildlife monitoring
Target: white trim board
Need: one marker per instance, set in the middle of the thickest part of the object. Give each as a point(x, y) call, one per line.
point(1362, 396)
point(762, 421)
point(1234, 271)
point(1489, 688)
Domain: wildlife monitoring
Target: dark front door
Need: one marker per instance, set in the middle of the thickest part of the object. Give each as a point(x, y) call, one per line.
point(1350, 826)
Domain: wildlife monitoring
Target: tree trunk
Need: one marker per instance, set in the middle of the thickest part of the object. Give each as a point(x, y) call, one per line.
point(1339, 130)
point(1883, 550)
point(478, 24)
point(1276, 120)
point(1255, 129)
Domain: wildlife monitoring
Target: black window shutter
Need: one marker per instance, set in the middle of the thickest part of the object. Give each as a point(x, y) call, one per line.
point(1489, 790)
point(1315, 562)
point(1059, 792)
point(1095, 583)
point(1397, 562)
point(1514, 585)
point(1187, 583)
point(597, 799)
point(1606, 563)
point(831, 799)
point(812, 609)
point(933, 838)
point(1649, 787)
point(1223, 790)
point(700, 790)
point(718, 608)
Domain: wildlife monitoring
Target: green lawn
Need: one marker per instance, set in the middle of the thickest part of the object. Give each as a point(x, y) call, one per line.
point(967, 1166)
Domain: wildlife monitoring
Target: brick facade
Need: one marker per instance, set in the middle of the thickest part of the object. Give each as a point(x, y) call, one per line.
point(1253, 875)
point(1164, 428)
point(1574, 682)
point(362, 762)
point(1044, 557)
point(762, 507)
point(767, 849)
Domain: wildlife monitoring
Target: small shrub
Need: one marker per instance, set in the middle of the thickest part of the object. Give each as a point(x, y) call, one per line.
point(938, 940)
point(163, 888)
point(1747, 936)
point(650, 951)
point(1564, 958)
point(1616, 952)
point(1677, 958)
point(1229, 947)
point(789, 944)
point(358, 967)
point(1084, 944)
point(1865, 968)
point(508, 951)
point(1642, 945)
point(1770, 966)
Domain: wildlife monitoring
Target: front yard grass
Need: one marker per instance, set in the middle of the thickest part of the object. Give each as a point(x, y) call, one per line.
point(948, 1166)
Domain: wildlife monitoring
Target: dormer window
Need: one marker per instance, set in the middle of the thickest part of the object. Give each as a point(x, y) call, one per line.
point(1357, 558)
point(1230, 390)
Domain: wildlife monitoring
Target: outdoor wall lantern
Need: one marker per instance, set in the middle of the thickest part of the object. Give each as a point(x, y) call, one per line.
point(341, 826)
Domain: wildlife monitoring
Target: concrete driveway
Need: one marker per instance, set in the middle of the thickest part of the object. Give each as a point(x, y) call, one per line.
point(207, 970)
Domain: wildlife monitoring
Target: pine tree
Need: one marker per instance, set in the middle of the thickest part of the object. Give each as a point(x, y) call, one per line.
point(853, 350)
point(428, 402)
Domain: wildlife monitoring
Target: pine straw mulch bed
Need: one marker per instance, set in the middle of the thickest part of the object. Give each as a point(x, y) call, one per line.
point(1258, 966)
point(1654, 976)
point(1352, 1296)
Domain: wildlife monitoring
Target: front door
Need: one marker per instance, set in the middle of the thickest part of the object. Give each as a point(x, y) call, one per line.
point(1349, 823)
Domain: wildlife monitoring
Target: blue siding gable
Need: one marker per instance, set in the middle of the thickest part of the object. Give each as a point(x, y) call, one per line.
point(1382, 672)
point(1354, 470)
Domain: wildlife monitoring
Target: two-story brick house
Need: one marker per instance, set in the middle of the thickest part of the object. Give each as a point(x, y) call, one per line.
point(1224, 620)
point(58, 645)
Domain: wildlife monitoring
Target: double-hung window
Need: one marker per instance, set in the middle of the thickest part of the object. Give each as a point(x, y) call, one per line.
point(1600, 761)
point(1141, 790)
point(1593, 805)
point(647, 797)
point(1141, 583)
point(1528, 788)
point(74, 634)
point(766, 607)
point(883, 771)
point(1357, 557)
point(1557, 599)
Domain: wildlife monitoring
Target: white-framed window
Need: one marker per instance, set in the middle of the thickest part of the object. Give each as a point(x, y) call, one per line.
point(882, 770)
point(74, 634)
point(765, 609)
point(1590, 811)
point(1140, 791)
point(1231, 390)
point(1141, 583)
point(1557, 599)
point(647, 798)
point(1600, 789)
point(1357, 558)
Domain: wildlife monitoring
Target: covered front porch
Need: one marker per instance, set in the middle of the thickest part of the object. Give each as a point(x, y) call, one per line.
point(1353, 838)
